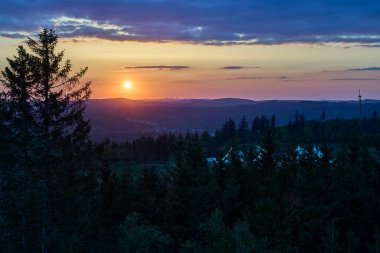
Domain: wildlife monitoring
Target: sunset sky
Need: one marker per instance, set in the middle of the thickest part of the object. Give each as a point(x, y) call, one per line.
point(275, 49)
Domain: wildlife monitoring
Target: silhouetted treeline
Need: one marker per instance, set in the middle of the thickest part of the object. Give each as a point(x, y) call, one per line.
point(299, 131)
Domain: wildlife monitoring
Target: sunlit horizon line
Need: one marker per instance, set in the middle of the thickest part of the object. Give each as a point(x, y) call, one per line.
point(237, 98)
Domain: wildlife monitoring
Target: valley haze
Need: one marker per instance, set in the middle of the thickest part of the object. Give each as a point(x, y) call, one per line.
point(123, 119)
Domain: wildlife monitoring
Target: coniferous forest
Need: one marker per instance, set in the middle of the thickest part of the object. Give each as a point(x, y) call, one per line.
point(252, 186)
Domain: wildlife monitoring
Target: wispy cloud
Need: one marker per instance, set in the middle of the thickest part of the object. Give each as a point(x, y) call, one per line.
point(189, 81)
point(373, 45)
point(354, 79)
point(224, 22)
point(159, 67)
point(365, 69)
point(245, 78)
point(237, 67)
point(232, 67)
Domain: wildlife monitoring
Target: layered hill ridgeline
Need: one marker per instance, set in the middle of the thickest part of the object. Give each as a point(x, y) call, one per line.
point(122, 119)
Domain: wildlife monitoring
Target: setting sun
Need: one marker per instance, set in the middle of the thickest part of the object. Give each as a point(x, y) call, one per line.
point(128, 85)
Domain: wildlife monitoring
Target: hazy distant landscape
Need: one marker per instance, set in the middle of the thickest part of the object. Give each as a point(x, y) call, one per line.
point(121, 119)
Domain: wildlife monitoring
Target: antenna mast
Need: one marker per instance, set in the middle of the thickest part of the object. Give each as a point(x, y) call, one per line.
point(360, 106)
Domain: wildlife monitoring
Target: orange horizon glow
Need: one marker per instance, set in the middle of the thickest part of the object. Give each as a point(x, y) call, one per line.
point(290, 71)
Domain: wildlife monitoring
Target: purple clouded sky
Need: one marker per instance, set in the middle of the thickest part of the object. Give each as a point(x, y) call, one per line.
point(209, 22)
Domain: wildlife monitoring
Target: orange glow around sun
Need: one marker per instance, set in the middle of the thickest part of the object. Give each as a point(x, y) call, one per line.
point(128, 85)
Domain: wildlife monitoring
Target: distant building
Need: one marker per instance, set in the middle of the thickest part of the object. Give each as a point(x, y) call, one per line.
point(258, 154)
point(227, 158)
point(301, 152)
point(211, 160)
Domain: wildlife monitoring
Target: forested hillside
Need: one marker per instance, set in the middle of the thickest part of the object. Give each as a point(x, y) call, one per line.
point(311, 186)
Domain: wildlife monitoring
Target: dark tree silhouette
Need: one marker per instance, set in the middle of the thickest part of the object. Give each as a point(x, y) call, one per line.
point(43, 111)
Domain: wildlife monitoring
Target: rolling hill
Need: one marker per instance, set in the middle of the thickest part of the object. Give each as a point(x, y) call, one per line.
point(121, 119)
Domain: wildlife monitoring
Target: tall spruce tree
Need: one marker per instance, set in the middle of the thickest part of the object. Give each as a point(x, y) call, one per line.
point(62, 131)
point(43, 107)
point(229, 129)
point(243, 129)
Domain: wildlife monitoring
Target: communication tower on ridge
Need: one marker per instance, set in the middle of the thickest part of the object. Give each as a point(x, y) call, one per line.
point(360, 105)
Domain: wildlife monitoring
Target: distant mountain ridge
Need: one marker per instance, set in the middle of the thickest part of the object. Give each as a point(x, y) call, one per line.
point(182, 102)
point(121, 119)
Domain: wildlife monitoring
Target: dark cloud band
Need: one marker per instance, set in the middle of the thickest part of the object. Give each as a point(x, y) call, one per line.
point(232, 67)
point(366, 69)
point(237, 67)
point(159, 67)
point(245, 78)
point(354, 79)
